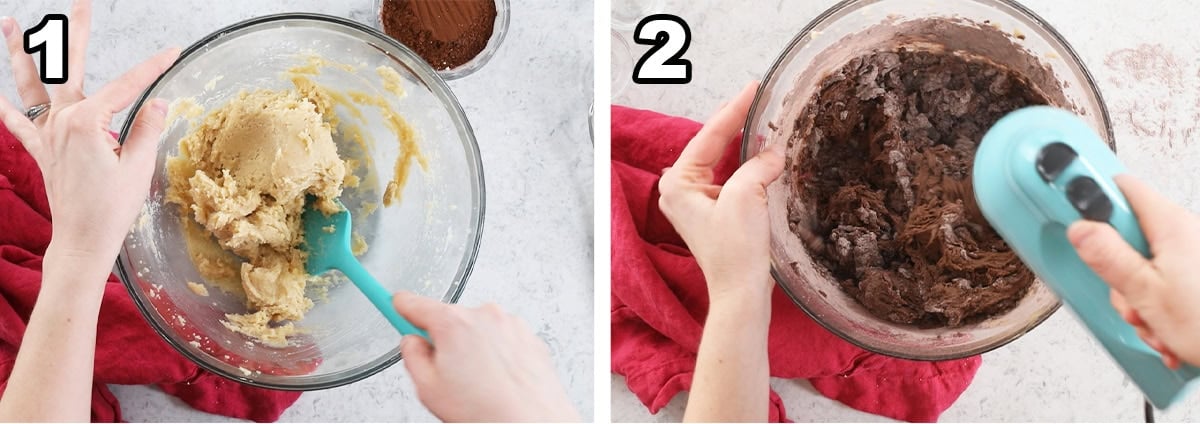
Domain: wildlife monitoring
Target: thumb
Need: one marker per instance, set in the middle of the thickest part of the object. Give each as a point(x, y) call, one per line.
point(753, 177)
point(141, 146)
point(418, 359)
point(1113, 260)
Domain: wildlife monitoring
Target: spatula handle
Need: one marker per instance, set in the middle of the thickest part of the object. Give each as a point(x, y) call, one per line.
point(379, 296)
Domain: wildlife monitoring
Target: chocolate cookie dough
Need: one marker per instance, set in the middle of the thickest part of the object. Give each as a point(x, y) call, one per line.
point(887, 168)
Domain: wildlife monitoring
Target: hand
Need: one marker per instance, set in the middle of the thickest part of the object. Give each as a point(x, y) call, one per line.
point(94, 186)
point(485, 365)
point(1159, 296)
point(95, 189)
point(726, 228)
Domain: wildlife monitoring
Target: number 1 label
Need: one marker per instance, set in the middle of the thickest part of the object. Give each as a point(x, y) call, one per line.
point(663, 63)
point(50, 39)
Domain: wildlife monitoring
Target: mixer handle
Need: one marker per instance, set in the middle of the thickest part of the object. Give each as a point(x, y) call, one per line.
point(1091, 194)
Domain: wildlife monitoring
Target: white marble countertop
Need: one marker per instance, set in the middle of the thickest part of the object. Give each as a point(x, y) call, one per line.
point(1148, 73)
point(529, 109)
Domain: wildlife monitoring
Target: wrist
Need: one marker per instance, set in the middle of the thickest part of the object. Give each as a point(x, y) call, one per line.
point(74, 272)
point(742, 297)
point(66, 253)
point(741, 280)
point(752, 283)
point(92, 242)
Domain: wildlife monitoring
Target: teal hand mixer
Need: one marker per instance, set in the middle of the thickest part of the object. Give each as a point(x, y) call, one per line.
point(1038, 170)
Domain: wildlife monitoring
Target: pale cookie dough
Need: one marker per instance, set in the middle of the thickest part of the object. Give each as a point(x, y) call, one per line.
point(244, 174)
point(198, 289)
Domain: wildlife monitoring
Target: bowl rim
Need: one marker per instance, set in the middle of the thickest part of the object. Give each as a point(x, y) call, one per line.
point(437, 83)
point(747, 140)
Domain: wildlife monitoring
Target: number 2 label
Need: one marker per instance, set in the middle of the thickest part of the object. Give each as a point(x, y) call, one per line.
point(50, 39)
point(663, 63)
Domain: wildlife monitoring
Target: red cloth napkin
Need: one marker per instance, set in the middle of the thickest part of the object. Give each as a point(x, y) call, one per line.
point(128, 351)
point(659, 301)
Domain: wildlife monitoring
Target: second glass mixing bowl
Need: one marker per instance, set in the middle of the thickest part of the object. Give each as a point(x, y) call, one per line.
point(855, 27)
point(425, 243)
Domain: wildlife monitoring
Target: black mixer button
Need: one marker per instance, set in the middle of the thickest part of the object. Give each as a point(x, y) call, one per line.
point(1087, 198)
point(1053, 159)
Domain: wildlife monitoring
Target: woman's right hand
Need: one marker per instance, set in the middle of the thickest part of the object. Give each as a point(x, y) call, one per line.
point(1160, 296)
point(485, 365)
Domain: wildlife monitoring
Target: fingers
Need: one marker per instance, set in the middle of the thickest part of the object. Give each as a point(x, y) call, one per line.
point(687, 186)
point(706, 148)
point(78, 32)
point(141, 147)
point(494, 312)
point(422, 311)
point(78, 27)
point(19, 125)
point(1113, 260)
point(1125, 310)
point(1133, 318)
point(29, 86)
point(750, 181)
point(118, 94)
point(1158, 217)
point(1150, 340)
point(1171, 360)
point(686, 182)
point(418, 359)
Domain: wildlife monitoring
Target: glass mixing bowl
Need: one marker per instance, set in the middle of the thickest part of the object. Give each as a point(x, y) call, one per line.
point(627, 13)
point(622, 65)
point(499, 31)
point(425, 243)
point(855, 27)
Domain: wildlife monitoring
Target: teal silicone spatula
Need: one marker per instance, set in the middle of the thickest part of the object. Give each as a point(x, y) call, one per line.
point(327, 241)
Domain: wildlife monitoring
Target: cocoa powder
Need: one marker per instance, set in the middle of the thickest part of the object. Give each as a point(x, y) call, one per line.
point(446, 33)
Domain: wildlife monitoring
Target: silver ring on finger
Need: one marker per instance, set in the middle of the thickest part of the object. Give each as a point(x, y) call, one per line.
point(37, 111)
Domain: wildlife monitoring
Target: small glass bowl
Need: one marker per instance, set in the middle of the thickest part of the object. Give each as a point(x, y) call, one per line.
point(828, 43)
point(499, 31)
point(426, 243)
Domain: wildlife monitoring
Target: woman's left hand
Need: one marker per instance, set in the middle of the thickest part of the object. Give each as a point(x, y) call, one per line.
point(95, 187)
point(726, 227)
